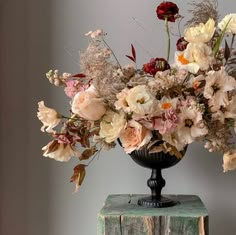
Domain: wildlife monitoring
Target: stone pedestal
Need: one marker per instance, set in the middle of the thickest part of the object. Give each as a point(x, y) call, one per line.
point(122, 216)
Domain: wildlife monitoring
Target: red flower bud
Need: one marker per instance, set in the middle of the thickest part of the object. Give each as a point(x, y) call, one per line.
point(167, 10)
point(181, 44)
point(155, 65)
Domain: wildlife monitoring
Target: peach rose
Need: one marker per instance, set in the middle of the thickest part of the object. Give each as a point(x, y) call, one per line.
point(134, 136)
point(229, 161)
point(87, 105)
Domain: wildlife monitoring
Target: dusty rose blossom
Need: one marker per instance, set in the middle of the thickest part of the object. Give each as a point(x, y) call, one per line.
point(59, 151)
point(88, 106)
point(73, 87)
point(167, 123)
point(49, 117)
point(134, 136)
point(229, 161)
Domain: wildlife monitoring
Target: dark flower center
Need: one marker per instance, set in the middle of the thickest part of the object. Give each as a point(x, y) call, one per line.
point(188, 123)
point(215, 88)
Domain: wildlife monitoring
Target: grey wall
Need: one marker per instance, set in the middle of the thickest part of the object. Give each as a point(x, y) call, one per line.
point(36, 196)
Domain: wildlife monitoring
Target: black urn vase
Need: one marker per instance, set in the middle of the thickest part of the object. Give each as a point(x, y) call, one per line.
point(156, 162)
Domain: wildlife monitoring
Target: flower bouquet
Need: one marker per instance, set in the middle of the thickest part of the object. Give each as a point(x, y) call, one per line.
point(162, 107)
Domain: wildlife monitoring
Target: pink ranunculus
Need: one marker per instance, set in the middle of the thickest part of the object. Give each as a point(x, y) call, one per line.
point(87, 105)
point(134, 136)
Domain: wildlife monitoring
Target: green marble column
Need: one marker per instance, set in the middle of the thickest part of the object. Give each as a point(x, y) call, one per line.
point(122, 216)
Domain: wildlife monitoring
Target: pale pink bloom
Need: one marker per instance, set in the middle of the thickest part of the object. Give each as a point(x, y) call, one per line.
point(167, 123)
point(218, 83)
point(134, 136)
point(141, 101)
point(122, 103)
point(60, 151)
point(87, 105)
point(49, 117)
point(229, 160)
point(111, 125)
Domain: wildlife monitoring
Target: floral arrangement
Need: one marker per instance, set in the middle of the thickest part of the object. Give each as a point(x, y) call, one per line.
point(162, 106)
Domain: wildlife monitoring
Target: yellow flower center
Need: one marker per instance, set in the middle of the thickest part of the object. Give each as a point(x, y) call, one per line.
point(182, 60)
point(166, 105)
point(141, 101)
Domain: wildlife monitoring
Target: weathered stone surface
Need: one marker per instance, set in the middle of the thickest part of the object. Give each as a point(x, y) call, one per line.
point(122, 216)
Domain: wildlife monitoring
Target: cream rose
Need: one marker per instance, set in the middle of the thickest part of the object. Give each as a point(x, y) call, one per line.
point(140, 100)
point(201, 32)
point(87, 105)
point(111, 126)
point(59, 151)
point(49, 117)
point(134, 136)
point(229, 19)
point(229, 159)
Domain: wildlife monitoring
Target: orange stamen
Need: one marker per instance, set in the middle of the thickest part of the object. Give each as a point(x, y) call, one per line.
point(182, 60)
point(196, 85)
point(166, 105)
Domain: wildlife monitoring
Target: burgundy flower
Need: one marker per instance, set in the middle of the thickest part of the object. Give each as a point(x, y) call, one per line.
point(155, 65)
point(181, 44)
point(167, 9)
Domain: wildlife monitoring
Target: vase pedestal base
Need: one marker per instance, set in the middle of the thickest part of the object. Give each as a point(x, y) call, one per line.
point(121, 215)
point(156, 203)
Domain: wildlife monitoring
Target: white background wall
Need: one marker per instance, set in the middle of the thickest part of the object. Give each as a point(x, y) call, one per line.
point(36, 196)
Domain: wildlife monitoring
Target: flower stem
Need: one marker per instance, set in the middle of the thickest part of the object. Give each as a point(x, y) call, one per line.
point(232, 42)
point(111, 52)
point(168, 39)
